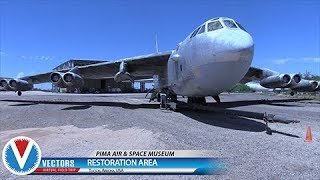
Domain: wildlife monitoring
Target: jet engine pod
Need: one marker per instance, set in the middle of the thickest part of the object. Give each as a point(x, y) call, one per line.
point(276, 81)
point(119, 77)
point(20, 85)
point(56, 79)
point(295, 79)
point(5, 85)
point(73, 80)
point(306, 86)
point(123, 74)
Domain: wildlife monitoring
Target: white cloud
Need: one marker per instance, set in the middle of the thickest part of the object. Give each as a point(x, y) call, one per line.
point(281, 61)
point(20, 75)
point(286, 60)
point(37, 58)
point(314, 59)
point(3, 53)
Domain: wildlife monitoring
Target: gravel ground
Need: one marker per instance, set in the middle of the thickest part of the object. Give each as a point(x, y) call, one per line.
point(75, 125)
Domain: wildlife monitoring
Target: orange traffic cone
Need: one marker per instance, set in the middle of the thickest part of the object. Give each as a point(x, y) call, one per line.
point(308, 135)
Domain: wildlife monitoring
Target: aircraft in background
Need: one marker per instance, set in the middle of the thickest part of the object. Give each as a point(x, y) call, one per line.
point(209, 61)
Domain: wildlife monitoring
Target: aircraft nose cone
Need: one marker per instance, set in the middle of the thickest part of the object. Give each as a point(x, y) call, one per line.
point(238, 41)
point(234, 45)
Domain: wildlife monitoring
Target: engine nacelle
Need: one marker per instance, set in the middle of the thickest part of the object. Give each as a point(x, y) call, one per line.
point(123, 74)
point(4, 85)
point(295, 79)
point(73, 80)
point(255, 86)
point(306, 86)
point(20, 85)
point(57, 79)
point(119, 77)
point(276, 81)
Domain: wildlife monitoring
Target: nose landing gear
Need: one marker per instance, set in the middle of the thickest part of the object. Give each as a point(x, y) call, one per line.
point(168, 101)
point(19, 93)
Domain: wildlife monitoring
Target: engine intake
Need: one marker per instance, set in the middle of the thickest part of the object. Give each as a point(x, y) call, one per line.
point(4, 85)
point(56, 79)
point(276, 81)
point(295, 79)
point(20, 85)
point(73, 80)
point(306, 86)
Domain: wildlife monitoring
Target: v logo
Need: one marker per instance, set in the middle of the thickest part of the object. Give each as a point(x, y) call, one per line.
point(21, 158)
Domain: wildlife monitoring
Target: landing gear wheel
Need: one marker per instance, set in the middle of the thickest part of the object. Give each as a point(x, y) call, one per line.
point(291, 93)
point(19, 93)
point(217, 99)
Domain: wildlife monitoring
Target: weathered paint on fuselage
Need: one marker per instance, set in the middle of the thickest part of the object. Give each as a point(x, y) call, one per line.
point(210, 63)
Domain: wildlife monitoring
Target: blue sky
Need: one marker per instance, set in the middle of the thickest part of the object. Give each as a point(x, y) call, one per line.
point(39, 35)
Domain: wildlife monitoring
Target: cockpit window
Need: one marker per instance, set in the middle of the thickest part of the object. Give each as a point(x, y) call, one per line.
point(214, 26)
point(203, 28)
point(241, 27)
point(230, 23)
point(194, 32)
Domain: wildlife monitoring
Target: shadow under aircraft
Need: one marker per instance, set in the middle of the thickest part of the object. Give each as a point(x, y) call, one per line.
point(275, 102)
point(211, 118)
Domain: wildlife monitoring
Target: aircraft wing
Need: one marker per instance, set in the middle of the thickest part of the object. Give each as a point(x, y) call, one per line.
point(252, 75)
point(37, 79)
point(272, 80)
point(140, 67)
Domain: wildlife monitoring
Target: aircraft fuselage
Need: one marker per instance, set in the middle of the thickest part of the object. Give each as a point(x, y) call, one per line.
point(212, 61)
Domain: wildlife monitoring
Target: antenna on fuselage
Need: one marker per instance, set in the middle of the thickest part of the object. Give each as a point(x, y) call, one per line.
point(156, 41)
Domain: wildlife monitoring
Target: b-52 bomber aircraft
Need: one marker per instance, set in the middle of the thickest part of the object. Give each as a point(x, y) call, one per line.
point(209, 61)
